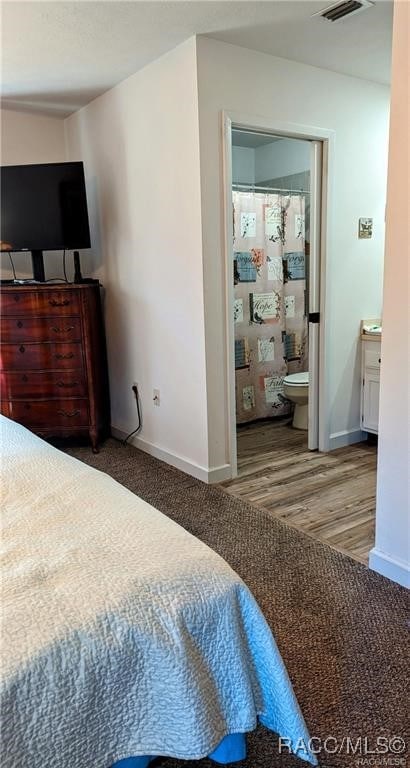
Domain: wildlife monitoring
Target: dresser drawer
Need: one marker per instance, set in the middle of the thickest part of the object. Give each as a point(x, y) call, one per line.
point(41, 384)
point(53, 374)
point(49, 356)
point(37, 302)
point(42, 414)
point(14, 329)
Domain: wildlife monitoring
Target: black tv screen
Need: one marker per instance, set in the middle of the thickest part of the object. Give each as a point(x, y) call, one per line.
point(43, 207)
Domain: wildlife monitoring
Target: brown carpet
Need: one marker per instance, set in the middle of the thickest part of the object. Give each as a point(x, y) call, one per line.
point(340, 627)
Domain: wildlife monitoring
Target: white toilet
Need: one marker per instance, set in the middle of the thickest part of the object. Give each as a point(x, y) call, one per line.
point(296, 389)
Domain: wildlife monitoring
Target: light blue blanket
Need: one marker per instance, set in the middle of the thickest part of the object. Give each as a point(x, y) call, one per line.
point(122, 633)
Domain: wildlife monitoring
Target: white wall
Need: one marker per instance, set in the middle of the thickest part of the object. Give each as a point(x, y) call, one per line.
point(243, 165)
point(357, 111)
point(28, 138)
point(281, 158)
point(284, 157)
point(391, 555)
point(140, 147)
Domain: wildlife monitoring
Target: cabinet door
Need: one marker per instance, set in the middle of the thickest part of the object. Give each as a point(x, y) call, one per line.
point(371, 389)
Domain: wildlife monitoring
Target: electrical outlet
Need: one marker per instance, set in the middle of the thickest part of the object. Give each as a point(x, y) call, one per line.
point(156, 397)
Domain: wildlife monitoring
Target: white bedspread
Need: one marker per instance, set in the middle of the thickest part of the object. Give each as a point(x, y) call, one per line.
point(122, 633)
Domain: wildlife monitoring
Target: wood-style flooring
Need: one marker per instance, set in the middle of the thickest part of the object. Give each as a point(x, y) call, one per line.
point(330, 496)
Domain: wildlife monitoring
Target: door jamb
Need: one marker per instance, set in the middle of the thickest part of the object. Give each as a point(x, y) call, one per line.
point(289, 130)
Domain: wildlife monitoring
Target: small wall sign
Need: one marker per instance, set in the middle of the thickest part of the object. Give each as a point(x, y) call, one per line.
point(365, 229)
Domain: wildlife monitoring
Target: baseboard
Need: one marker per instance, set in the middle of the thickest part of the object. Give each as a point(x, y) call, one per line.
point(396, 570)
point(219, 474)
point(346, 437)
point(209, 476)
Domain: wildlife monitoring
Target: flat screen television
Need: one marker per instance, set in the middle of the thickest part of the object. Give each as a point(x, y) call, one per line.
point(43, 208)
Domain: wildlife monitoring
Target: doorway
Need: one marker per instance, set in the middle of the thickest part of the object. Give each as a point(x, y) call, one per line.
point(282, 471)
point(276, 231)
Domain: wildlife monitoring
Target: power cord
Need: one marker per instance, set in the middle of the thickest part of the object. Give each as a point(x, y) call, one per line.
point(12, 266)
point(60, 279)
point(139, 427)
point(64, 267)
point(51, 279)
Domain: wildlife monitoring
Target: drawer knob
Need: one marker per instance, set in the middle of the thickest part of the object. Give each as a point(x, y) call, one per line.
point(27, 406)
point(19, 324)
point(69, 414)
point(61, 356)
point(24, 377)
point(16, 297)
point(22, 348)
point(380, 359)
point(57, 303)
point(67, 384)
point(62, 330)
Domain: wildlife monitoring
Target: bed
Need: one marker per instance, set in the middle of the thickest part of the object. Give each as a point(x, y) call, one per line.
point(124, 636)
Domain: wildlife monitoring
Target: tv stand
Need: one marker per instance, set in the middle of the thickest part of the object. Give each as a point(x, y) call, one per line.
point(37, 262)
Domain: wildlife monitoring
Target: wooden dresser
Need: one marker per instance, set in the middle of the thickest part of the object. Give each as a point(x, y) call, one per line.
point(53, 370)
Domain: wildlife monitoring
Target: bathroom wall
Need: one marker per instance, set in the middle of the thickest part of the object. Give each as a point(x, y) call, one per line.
point(277, 161)
point(283, 158)
point(243, 165)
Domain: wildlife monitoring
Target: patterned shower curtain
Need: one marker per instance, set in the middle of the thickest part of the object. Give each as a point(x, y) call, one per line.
point(269, 308)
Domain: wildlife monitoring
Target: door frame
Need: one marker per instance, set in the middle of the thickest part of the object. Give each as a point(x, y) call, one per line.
point(326, 137)
point(315, 226)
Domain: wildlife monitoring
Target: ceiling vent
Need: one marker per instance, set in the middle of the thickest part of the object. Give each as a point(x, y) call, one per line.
point(340, 11)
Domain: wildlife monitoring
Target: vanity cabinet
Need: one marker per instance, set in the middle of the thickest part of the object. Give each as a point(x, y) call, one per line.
point(371, 360)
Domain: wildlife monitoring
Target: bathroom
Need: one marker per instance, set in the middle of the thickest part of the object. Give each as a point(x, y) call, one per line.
point(323, 485)
point(271, 215)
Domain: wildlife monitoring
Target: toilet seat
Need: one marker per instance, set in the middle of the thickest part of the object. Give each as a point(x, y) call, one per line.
point(297, 379)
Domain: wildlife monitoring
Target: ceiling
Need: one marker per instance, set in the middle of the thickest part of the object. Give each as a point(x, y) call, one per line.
point(251, 139)
point(58, 56)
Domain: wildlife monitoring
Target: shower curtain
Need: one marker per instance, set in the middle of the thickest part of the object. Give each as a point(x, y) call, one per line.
point(269, 272)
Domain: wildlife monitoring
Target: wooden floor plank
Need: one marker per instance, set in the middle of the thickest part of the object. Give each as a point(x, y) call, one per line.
point(330, 496)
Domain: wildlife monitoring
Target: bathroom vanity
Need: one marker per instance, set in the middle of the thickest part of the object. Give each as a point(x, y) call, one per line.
point(371, 361)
